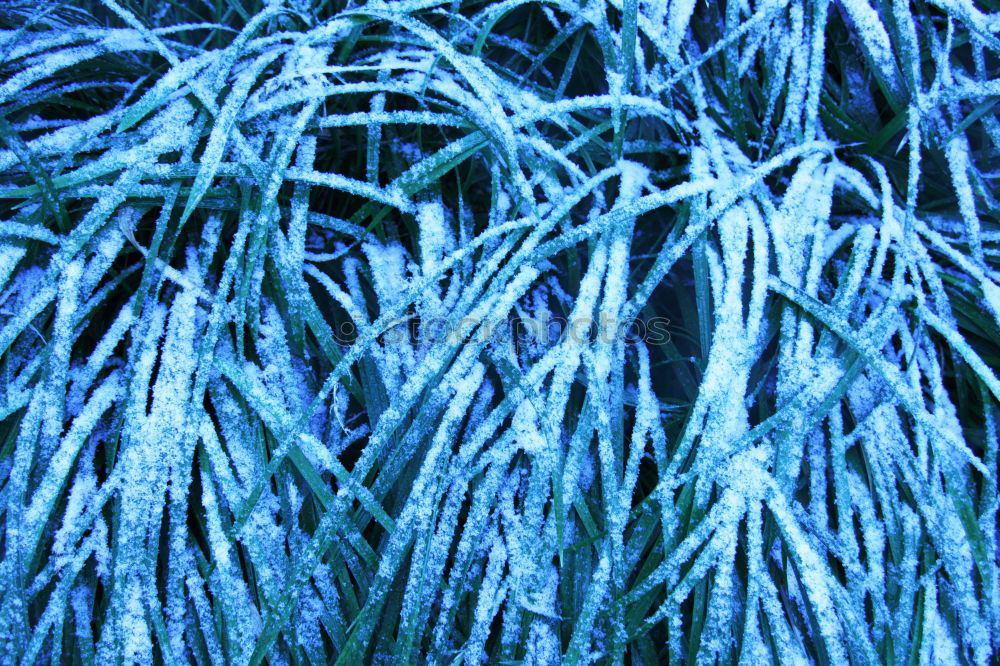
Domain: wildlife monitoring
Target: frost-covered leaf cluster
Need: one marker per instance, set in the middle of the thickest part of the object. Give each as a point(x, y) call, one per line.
point(257, 262)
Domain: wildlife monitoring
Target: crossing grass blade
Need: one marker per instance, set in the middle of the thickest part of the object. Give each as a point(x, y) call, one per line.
point(524, 332)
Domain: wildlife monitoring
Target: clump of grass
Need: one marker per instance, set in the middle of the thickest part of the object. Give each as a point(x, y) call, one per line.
point(257, 263)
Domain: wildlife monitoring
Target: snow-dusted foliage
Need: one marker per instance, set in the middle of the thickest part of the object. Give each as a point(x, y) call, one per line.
point(433, 331)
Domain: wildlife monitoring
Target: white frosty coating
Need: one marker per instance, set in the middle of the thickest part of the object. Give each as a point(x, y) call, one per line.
point(62, 461)
point(389, 266)
point(435, 238)
point(959, 162)
point(991, 294)
point(272, 488)
point(9, 256)
point(875, 39)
